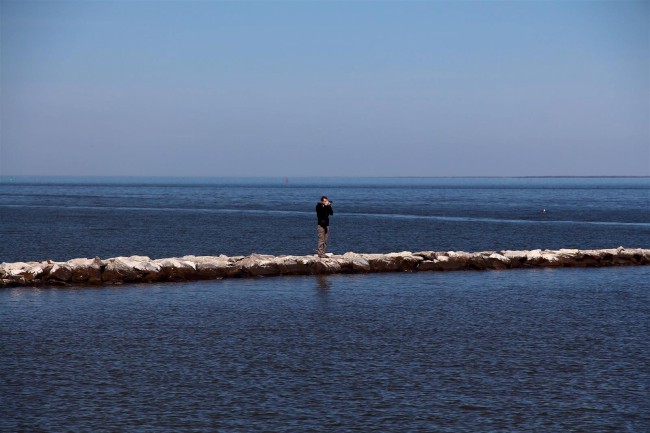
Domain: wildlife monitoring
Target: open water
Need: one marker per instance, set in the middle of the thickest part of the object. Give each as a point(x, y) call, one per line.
point(65, 218)
point(520, 350)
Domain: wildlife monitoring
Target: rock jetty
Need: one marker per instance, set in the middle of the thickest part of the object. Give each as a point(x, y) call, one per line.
point(140, 269)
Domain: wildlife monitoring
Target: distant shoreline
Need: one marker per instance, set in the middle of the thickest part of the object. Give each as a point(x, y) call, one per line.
point(17, 178)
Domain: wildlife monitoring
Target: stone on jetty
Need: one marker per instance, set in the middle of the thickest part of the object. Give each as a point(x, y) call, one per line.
point(357, 262)
point(87, 271)
point(257, 265)
point(173, 269)
point(210, 268)
point(296, 265)
point(60, 272)
point(128, 269)
point(135, 269)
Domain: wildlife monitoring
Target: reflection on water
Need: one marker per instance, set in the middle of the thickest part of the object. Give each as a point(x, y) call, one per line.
point(323, 283)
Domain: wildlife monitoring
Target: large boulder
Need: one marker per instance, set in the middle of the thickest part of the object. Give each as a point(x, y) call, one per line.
point(128, 269)
point(325, 266)
point(452, 261)
point(517, 258)
point(497, 261)
point(534, 258)
point(644, 256)
point(426, 255)
point(551, 259)
point(59, 272)
point(380, 263)
point(23, 273)
point(588, 258)
point(209, 268)
point(405, 261)
point(479, 261)
point(567, 257)
point(636, 256)
point(118, 270)
point(172, 269)
point(353, 262)
point(295, 265)
point(449, 261)
point(259, 265)
point(87, 271)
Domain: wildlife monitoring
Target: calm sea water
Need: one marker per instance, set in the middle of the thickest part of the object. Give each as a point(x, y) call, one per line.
point(64, 218)
point(520, 350)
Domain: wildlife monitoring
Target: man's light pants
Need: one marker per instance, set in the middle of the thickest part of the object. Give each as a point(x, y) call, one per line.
point(323, 236)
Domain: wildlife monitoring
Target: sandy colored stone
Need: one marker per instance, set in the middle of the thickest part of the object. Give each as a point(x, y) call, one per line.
point(119, 270)
point(86, 270)
point(172, 269)
point(59, 272)
point(258, 265)
point(294, 265)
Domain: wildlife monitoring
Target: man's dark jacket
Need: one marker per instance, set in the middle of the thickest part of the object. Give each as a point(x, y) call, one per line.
point(323, 213)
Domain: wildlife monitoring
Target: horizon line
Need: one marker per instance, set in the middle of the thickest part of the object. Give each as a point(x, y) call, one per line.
point(4, 177)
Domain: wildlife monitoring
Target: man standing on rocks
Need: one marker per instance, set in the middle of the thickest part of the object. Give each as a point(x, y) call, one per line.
point(323, 212)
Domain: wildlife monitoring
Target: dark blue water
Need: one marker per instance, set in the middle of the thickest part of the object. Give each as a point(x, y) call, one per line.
point(520, 350)
point(63, 218)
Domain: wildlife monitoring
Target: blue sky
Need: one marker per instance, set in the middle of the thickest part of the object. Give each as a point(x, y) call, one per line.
point(315, 88)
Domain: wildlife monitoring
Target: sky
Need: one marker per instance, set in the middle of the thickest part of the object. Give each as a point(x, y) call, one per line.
point(316, 88)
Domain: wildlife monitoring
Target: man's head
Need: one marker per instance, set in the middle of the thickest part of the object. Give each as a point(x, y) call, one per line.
point(324, 200)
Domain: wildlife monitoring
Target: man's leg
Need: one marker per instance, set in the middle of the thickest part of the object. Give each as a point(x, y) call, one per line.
point(322, 240)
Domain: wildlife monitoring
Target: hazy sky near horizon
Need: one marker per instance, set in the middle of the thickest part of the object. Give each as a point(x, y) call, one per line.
point(344, 88)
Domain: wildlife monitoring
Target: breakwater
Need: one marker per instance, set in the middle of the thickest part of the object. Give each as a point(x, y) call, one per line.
point(141, 269)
